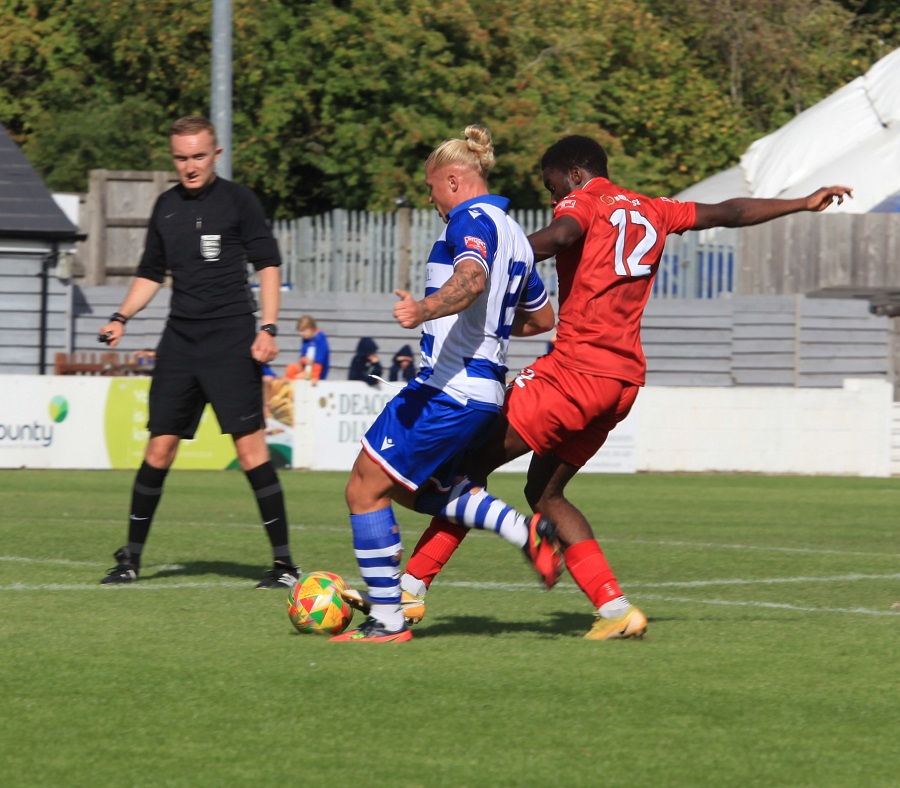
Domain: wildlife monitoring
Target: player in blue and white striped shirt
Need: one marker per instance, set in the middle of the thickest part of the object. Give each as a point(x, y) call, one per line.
point(464, 354)
point(481, 288)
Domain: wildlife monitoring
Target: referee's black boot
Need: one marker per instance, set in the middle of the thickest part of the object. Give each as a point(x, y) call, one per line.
point(281, 575)
point(125, 571)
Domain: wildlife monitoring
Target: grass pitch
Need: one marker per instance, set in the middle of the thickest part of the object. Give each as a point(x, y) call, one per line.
point(771, 658)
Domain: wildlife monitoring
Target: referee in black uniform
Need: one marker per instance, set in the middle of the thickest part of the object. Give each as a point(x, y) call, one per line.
point(203, 232)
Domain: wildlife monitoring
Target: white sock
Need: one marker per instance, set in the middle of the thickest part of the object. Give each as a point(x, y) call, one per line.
point(614, 608)
point(389, 615)
point(412, 585)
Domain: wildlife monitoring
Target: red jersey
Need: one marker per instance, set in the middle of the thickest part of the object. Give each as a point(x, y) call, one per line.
point(605, 278)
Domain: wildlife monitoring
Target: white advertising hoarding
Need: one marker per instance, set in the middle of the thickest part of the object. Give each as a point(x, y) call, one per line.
point(98, 422)
point(48, 422)
point(332, 417)
point(71, 421)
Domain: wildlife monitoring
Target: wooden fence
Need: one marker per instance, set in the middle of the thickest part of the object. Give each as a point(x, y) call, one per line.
point(820, 253)
point(362, 252)
point(117, 211)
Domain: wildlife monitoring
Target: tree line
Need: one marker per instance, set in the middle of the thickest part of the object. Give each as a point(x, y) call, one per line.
point(338, 102)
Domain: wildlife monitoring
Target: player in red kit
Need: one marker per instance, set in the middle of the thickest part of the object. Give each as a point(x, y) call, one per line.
point(608, 242)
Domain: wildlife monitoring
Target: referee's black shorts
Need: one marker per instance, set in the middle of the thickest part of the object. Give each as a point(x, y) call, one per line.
point(200, 361)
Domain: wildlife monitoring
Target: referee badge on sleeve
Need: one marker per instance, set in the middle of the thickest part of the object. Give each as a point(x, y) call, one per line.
point(210, 247)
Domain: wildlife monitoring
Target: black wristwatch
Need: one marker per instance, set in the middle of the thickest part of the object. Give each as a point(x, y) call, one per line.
point(270, 328)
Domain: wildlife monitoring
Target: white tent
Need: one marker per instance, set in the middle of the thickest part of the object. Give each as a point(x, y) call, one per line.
point(851, 138)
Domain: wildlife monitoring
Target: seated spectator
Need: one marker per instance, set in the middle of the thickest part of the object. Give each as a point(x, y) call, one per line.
point(138, 363)
point(402, 368)
point(144, 358)
point(313, 363)
point(365, 363)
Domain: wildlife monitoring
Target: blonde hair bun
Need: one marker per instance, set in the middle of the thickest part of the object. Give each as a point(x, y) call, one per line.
point(475, 151)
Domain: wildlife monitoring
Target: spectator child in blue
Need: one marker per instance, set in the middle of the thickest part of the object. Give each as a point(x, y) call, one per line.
point(314, 351)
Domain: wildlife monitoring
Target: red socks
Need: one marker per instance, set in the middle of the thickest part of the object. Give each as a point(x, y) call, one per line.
point(585, 561)
point(589, 569)
point(438, 543)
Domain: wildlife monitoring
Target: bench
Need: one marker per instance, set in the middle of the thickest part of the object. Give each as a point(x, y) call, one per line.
point(108, 363)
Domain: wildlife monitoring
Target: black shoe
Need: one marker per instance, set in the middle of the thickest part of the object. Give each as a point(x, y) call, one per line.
point(126, 571)
point(280, 575)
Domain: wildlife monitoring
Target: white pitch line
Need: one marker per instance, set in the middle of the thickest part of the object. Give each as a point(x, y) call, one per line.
point(754, 548)
point(763, 581)
point(568, 588)
point(133, 586)
point(564, 586)
point(332, 528)
point(327, 527)
point(17, 559)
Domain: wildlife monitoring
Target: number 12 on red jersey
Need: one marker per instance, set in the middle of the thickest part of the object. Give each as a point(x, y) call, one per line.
point(631, 264)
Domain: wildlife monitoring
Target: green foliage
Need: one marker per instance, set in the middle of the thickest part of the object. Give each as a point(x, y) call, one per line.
point(336, 104)
point(95, 83)
point(775, 58)
point(770, 659)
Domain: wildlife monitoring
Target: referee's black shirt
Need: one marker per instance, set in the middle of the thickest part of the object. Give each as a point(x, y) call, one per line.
point(206, 241)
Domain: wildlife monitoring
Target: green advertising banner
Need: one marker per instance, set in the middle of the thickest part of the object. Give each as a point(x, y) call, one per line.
point(125, 421)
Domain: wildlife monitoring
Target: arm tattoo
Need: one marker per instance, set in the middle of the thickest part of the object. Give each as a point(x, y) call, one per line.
point(458, 292)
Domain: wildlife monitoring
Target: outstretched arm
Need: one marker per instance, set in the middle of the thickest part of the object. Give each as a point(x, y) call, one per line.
point(458, 292)
point(744, 211)
point(556, 236)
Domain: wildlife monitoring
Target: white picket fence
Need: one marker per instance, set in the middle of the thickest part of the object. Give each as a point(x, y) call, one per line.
point(363, 252)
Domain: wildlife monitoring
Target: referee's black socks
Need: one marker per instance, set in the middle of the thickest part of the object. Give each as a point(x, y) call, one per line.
point(270, 498)
point(145, 496)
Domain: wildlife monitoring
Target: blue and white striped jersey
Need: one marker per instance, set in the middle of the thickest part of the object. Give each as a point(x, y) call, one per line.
point(464, 355)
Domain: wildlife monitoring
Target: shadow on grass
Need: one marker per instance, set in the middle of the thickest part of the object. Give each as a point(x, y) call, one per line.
point(200, 568)
point(560, 624)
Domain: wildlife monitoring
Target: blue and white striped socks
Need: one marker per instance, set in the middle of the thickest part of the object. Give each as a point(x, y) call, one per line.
point(376, 543)
point(486, 513)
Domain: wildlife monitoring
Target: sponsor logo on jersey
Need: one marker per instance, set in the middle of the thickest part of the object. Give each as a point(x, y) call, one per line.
point(477, 244)
point(210, 247)
point(565, 204)
point(387, 443)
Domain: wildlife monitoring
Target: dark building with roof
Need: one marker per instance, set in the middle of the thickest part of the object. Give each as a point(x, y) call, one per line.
point(36, 240)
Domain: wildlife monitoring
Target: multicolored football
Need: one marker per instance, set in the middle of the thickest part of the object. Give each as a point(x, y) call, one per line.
point(315, 604)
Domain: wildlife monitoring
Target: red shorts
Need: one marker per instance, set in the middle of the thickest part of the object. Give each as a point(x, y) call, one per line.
point(568, 413)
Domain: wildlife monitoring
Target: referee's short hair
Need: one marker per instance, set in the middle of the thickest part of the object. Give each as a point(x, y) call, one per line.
point(192, 124)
